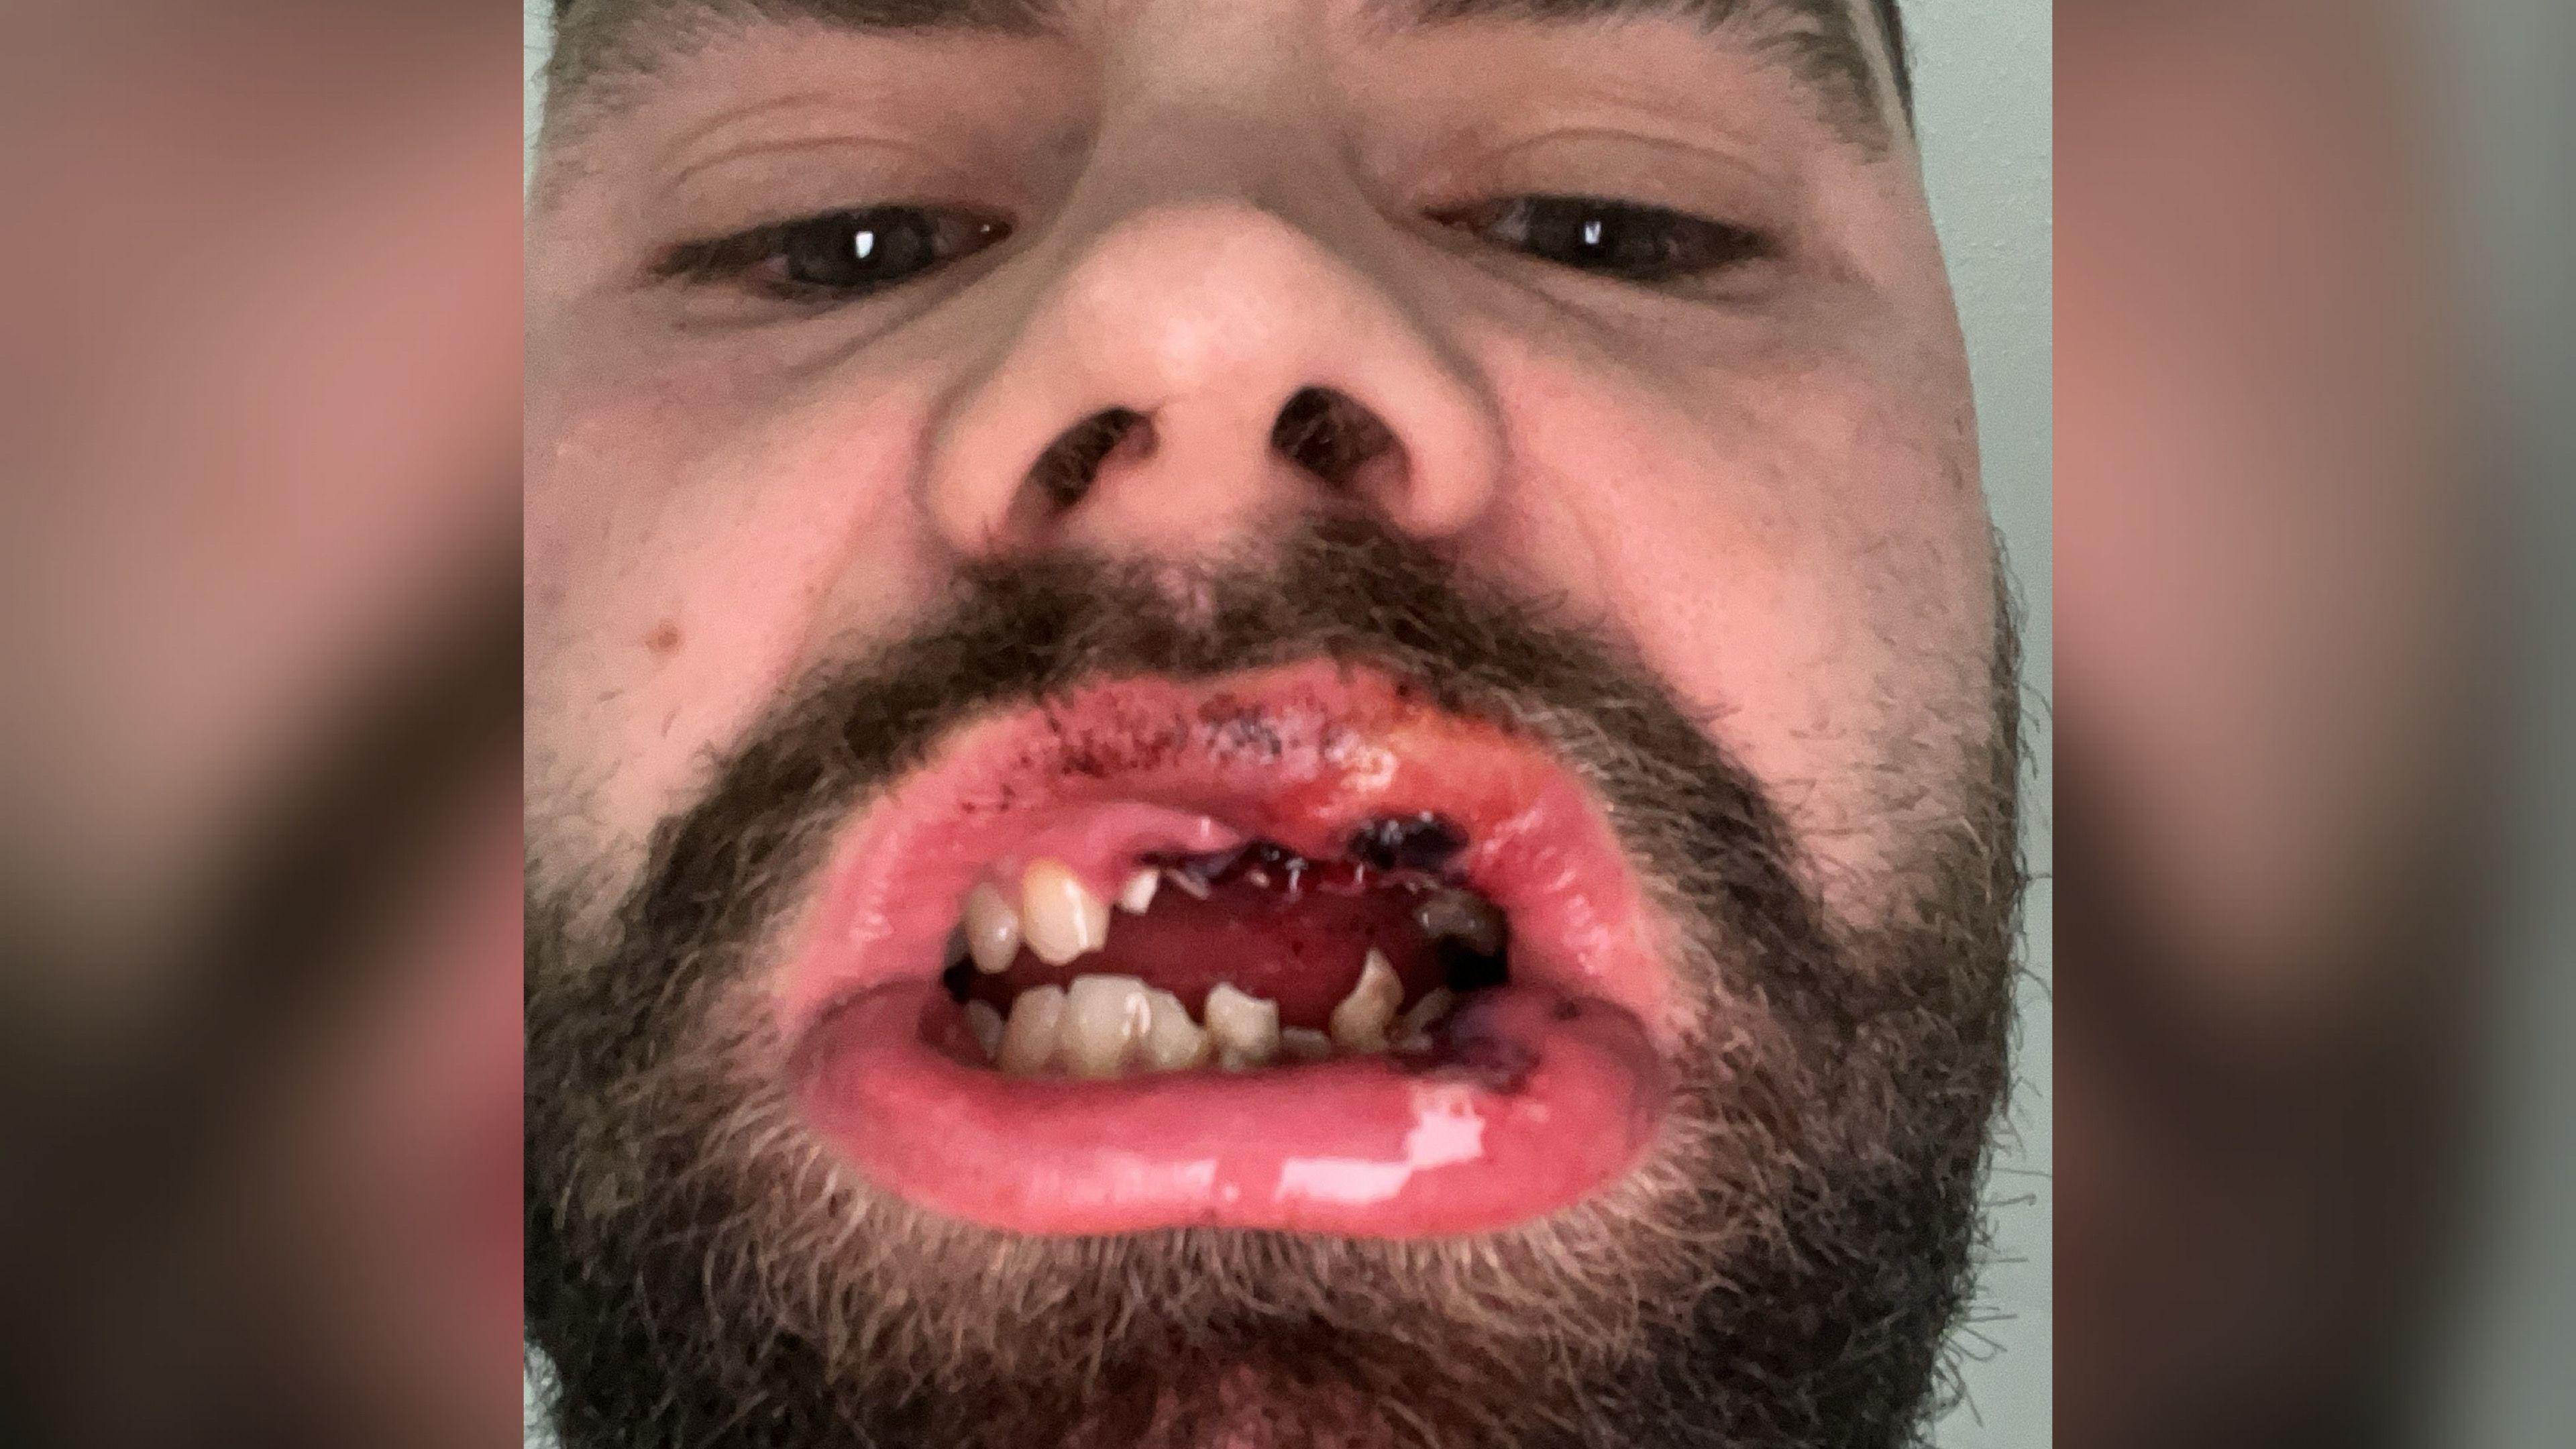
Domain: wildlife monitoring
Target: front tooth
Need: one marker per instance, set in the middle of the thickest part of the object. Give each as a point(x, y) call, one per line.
point(1416, 1023)
point(1138, 894)
point(988, 1027)
point(1028, 1040)
point(1244, 1028)
point(992, 927)
point(1360, 1022)
point(1305, 1044)
point(1106, 1019)
point(1059, 916)
point(1173, 1042)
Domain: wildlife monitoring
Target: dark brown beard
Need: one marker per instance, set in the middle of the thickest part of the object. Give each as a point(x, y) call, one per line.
point(1781, 1271)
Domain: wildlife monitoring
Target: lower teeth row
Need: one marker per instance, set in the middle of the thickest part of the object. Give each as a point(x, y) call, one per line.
point(1111, 1026)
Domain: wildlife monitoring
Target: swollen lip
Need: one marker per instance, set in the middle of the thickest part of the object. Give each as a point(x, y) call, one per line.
point(1533, 1100)
point(1370, 1147)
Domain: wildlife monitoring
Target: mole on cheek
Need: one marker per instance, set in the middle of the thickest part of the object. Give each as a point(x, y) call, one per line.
point(665, 639)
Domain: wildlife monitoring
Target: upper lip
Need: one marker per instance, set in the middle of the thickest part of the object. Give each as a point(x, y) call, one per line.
point(1299, 755)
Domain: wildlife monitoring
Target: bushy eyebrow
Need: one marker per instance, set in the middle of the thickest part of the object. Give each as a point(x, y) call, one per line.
point(1822, 43)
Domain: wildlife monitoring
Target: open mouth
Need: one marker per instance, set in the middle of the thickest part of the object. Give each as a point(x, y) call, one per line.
point(1293, 950)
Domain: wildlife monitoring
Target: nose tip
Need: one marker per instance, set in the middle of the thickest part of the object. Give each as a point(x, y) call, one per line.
point(1194, 374)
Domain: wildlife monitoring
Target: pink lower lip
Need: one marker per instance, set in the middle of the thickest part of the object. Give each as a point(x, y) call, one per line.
point(1363, 1147)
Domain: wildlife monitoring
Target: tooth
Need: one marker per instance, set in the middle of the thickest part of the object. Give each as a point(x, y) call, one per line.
point(1105, 1022)
point(1463, 916)
point(1173, 1042)
point(1360, 1022)
point(992, 929)
point(1059, 916)
point(1304, 1043)
point(988, 1027)
point(1028, 1041)
point(1244, 1028)
point(1411, 1028)
point(1139, 891)
point(1190, 885)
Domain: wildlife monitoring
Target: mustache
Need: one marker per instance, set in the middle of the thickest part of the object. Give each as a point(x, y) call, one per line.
point(1341, 588)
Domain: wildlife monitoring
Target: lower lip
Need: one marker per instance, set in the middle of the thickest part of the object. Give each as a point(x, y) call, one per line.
point(1550, 1098)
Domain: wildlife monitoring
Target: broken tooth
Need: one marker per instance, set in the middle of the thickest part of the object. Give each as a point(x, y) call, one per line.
point(1059, 916)
point(992, 927)
point(1173, 1042)
point(1029, 1038)
point(1243, 1028)
point(1305, 1044)
point(1138, 893)
point(1412, 1029)
point(1360, 1021)
point(1190, 885)
point(988, 1026)
point(1465, 917)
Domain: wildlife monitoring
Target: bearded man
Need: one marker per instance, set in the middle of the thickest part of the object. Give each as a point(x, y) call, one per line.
point(1282, 723)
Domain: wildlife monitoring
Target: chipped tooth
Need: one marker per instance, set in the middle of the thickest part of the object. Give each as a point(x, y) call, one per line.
point(1138, 893)
point(1106, 1019)
point(1190, 885)
point(1304, 1044)
point(1029, 1038)
point(1244, 1028)
point(988, 1026)
point(1059, 916)
point(1360, 1021)
point(1413, 1027)
point(992, 927)
point(1173, 1042)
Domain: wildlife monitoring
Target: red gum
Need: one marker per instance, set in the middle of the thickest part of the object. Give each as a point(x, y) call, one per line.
point(1299, 756)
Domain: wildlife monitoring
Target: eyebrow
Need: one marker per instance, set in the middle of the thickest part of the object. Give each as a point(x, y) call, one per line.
point(1820, 43)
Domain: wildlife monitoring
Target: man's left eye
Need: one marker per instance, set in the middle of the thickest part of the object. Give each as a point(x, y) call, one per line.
point(1625, 240)
point(838, 256)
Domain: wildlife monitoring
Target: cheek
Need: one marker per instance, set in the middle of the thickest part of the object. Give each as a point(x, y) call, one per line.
point(689, 556)
point(1800, 553)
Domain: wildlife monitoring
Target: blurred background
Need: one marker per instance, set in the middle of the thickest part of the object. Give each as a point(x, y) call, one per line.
point(2311, 452)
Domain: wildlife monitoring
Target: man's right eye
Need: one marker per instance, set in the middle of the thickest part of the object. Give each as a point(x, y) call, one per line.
point(837, 256)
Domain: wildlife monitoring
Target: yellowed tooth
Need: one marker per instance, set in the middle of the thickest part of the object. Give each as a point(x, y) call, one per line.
point(1059, 916)
point(1412, 1028)
point(1243, 1027)
point(1029, 1038)
point(988, 1026)
point(1106, 1019)
point(1304, 1044)
point(1360, 1022)
point(1138, 894)
point(1173, 1042)
point(992, 927)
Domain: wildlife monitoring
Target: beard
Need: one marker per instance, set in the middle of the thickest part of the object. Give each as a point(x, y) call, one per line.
point(1781, 1269)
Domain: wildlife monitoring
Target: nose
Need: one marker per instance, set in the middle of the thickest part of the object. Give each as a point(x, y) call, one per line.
point(1200, 374)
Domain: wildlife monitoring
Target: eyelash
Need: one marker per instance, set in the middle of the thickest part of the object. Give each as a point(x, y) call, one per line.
point(826, 258)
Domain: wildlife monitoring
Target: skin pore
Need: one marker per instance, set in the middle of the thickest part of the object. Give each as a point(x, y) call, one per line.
point(1642, 394)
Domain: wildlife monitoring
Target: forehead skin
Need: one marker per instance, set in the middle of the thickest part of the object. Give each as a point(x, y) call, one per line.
point(1766, 485)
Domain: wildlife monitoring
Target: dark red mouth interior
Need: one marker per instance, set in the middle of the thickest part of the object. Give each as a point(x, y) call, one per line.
point(1285, 928)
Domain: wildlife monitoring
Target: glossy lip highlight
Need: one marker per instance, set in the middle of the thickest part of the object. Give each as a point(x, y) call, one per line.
point(1377, 1147)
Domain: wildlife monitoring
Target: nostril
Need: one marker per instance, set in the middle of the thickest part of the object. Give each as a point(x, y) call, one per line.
point(1332, 436)
point(1071, 464)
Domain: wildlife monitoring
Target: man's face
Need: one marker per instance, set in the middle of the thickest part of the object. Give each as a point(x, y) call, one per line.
point(1256, 724)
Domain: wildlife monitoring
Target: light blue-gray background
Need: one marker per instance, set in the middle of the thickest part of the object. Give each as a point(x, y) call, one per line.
point(1982, 89)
